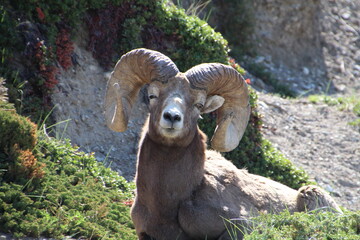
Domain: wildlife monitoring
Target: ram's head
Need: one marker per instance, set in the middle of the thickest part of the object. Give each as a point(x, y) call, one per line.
point(177, 99)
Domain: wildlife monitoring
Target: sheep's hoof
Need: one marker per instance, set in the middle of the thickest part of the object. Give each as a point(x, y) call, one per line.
point(144, 236)
point(312, 198)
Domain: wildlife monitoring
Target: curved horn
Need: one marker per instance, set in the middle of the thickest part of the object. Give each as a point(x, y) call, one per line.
point(132, 71)
point(233, 115)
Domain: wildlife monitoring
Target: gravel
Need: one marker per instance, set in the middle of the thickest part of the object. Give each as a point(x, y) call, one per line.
point(317, 138)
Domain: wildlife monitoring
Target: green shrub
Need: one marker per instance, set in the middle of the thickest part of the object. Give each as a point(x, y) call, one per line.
point(319, 225)
point(17, 140)
point(158, 25)
point(49, 188)
point(16, 130)
point(195, 41)
point(77, 196)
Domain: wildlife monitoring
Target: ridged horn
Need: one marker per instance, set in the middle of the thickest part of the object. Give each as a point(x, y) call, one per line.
point(132, 71)
point(233, 115)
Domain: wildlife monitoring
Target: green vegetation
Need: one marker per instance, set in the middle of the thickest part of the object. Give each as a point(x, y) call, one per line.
point(48, 187)
point(233, 18)
point(320, 225)
point(51, 189)
point(37, 34)
point(198, 42)
point(16, 130)
point(351, 103)
point(159, 25)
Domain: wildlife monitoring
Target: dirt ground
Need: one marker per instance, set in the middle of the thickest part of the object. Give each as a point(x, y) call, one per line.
point(317, 138)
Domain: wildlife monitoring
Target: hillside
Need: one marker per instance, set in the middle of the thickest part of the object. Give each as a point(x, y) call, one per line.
point(318, 138)
point(56, 60)
point(311, 48)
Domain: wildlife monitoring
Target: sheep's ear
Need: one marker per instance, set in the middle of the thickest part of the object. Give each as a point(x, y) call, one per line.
point(212, 103)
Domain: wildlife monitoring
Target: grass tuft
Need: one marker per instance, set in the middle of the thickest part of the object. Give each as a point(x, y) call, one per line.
point(300, 225)
point(349, 103)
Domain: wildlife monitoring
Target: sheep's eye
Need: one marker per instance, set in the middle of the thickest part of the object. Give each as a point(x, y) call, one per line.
point(152, 96)
point(199, 106)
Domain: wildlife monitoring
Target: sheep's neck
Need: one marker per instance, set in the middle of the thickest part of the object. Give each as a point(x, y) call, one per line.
point(168, 175)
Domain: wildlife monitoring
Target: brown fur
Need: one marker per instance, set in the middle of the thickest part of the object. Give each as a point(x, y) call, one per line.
point(185, 191)
point(166, 176)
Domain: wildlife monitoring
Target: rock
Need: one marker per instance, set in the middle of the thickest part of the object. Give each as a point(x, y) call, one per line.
point(346, 15)
point(306, 71)
point(259, 59)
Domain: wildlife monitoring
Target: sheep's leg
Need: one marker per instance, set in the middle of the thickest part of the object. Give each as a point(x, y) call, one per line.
point(166, 231)
point(139, 216)
point(200, 220)
point(314, 198)
point(151, 228)
point(144, 236)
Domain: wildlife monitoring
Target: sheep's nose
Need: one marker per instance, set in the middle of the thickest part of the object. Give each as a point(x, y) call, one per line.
point(172, 116)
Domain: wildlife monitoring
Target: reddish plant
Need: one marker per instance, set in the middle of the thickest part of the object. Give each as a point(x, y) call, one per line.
point(64, 48)
point(47, 72)
point(25, 164)
point(129, 203)
point(40, 13)
point(29, 165)
point(236, 66)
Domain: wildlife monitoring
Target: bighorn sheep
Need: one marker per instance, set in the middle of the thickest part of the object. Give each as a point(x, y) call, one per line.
point(183, 190)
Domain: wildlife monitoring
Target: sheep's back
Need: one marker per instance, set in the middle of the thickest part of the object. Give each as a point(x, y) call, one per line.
point(239, 189)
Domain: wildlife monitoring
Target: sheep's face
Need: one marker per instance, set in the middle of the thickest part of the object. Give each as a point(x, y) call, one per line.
point(175, 108)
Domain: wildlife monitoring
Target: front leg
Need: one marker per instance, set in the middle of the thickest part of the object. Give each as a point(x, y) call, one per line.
point(140, 215)
point(167, 231)
point(155, 228)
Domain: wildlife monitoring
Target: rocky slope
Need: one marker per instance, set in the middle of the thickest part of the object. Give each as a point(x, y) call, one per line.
point(317, 138)
point(78, 100)
point(312, 46)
